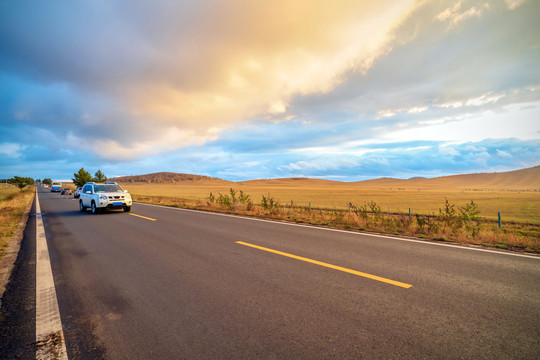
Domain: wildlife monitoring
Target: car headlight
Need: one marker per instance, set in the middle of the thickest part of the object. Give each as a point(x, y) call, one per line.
point(103, 197)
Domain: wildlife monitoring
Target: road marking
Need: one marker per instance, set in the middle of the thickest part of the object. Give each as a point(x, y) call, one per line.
point(49, 334)
point(351, 232)
point(335, 267)
point(144, 217)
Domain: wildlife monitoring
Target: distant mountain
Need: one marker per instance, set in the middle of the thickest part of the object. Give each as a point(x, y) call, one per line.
point(525, 179)
point(165, 177)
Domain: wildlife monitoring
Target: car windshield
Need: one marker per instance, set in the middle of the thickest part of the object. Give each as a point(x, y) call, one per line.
point(107, 188)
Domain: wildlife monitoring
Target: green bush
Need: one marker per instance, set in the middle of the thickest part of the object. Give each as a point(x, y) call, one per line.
point(269, 203)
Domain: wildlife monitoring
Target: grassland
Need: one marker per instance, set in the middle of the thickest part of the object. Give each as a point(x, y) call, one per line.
point(13, 203)
point(515, 206)
point(438, 206)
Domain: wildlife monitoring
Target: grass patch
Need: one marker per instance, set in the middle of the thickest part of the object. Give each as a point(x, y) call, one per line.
point(452, 223)
point(515, 206)
point(13, 203)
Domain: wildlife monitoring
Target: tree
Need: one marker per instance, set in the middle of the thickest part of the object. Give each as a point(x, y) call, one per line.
point(21, 182)
point(47, 181)
point(81, 177)
point(99, 177)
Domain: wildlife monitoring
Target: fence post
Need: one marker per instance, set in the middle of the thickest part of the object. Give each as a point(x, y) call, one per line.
point(409, 213)
point(310, 206)
point(499, 219)
point(349, 208)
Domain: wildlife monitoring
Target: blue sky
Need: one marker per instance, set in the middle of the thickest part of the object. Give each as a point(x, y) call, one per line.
point(341, 90)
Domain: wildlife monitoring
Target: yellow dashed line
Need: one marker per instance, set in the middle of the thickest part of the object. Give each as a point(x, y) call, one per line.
point(144, 217)
point(354, 272)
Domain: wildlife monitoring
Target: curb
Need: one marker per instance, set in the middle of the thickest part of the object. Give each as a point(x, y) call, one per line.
point(7, 262)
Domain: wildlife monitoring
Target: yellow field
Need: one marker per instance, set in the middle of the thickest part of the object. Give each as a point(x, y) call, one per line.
point(13, 203)
point(514, 205)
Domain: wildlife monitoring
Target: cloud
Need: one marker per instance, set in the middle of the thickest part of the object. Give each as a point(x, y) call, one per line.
point(11, 150)
point(296, 88)
point(400, 159)
point(455, 14)
point(513, 4)
point(189, 66)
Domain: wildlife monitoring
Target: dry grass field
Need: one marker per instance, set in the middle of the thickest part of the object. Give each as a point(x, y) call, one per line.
point(461, 208)
point(515, 194)
point(13, 203)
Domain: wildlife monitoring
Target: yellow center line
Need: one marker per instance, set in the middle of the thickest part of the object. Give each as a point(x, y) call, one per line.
point(144, 217)
point(354, 272)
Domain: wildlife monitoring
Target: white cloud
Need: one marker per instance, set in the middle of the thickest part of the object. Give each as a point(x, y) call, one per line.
point(318, 165)
point(170, 139)
point(519, 121)
point(504, 154)
point(417, 109)
point(11, 150)
point(452, 105)
point(454, 15)
point(513, 4)
point(483, 100)
point(449, 150)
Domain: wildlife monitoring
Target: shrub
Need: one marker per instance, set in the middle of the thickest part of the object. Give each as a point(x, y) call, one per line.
point(421, 222)
point(244, 198)
point(269, 203)
point(225, 201)
point(470, 212)
point(449, 216)
point(233, 196)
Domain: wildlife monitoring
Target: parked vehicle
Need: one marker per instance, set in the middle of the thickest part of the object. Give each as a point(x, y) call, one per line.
point(104, 196)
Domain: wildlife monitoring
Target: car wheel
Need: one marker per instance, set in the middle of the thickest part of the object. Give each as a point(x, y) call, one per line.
point(127, 208)
point(94, 208)
point(82, 207)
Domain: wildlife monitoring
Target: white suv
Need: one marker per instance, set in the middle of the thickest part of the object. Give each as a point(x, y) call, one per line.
point(101, 196)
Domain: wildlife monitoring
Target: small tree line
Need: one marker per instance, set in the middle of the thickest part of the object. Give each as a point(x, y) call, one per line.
point(82, 176)
point(21, 182)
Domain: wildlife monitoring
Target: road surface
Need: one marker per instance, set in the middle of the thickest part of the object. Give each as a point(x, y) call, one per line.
point(163, 283)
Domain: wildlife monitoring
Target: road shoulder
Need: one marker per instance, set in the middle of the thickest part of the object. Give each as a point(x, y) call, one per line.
point(17, 314)
point(7, 262)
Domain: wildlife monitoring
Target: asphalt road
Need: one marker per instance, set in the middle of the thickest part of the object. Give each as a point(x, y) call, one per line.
point(177, 284)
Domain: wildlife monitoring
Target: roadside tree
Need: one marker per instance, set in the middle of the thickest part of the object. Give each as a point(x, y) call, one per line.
point(81, 177)
point(99, 177)
point(21, 182)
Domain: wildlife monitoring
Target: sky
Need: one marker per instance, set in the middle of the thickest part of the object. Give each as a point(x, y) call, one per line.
point(241, 90)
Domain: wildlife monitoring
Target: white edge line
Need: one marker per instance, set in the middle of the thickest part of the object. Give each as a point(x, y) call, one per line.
point(423, 242)
point(49, 334)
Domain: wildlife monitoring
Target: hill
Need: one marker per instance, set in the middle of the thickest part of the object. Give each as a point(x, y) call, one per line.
point(518, 180)
point(166, 177)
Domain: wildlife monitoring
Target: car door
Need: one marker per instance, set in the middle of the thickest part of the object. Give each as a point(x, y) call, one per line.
point(83, 195)
point(85, 198)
